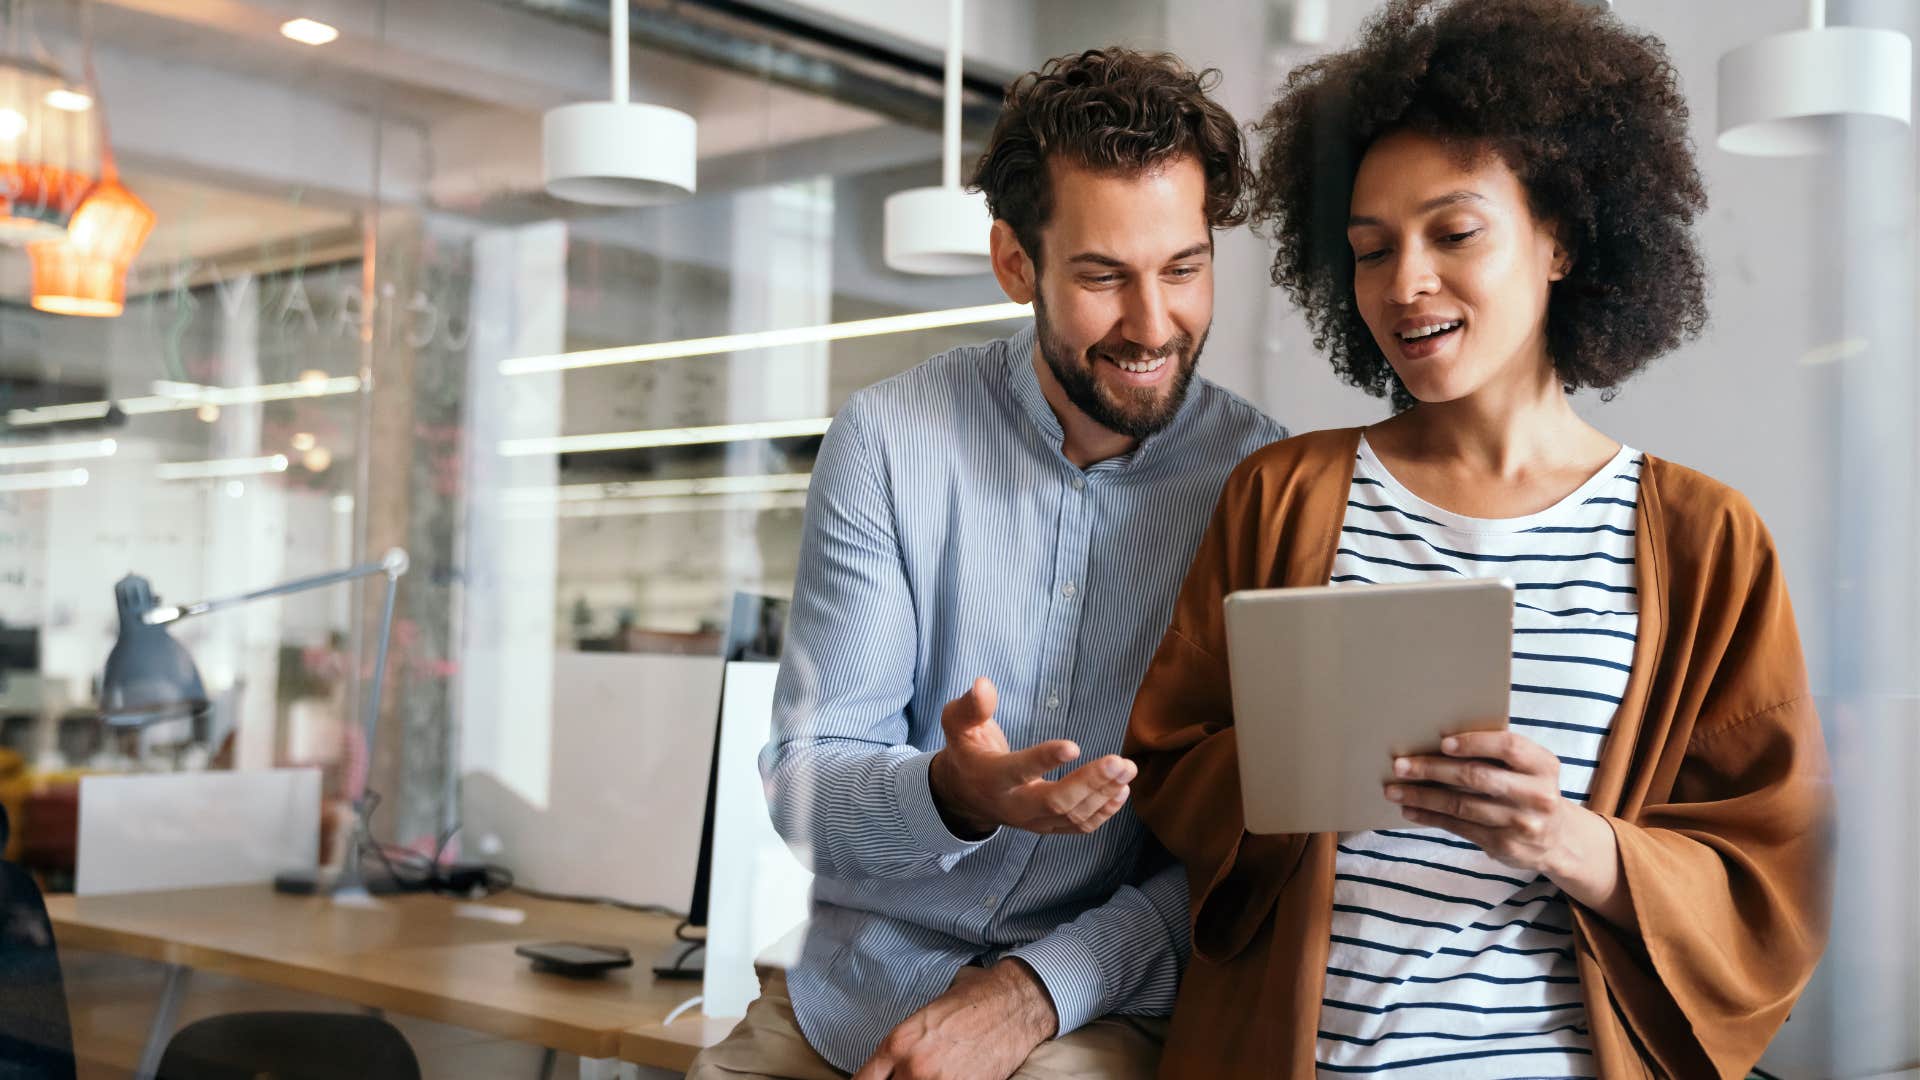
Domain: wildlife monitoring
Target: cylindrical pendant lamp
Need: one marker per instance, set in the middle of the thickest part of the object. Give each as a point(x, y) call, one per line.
point(618, 153)
point(945, 229)
point(1800, 92)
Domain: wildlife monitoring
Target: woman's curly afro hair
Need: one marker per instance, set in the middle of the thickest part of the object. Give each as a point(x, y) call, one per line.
point(1586, 112)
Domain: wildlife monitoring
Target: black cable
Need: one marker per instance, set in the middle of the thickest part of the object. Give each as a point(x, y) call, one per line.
point(363, 827)
point(679, 962)
point(433, 877)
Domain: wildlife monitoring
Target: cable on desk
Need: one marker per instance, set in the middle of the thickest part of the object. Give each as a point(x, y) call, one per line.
point(427, 872)
point(430, 875)
point(680, 1008)
point(364, 827)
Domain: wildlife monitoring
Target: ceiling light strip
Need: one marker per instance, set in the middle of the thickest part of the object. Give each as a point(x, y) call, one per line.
point(659, 489)
point(755, 502)
point(686, 504)
point(187, 400)
point(221, 468)
point(765, 339)
point(688, 436)
point(42, 481)
point(73, 451)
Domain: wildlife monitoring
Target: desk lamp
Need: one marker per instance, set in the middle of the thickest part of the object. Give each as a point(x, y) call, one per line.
point(150, 677)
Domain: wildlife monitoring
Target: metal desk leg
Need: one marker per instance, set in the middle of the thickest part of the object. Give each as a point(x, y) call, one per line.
point(165, 1013)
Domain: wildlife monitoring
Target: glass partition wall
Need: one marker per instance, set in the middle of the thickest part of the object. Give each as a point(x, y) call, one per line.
point(358, 323)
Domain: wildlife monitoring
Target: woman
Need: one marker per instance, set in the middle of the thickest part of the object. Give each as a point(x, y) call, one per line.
point(1481, 207)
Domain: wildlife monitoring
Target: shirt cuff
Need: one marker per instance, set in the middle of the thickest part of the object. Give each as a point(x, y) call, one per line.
point(914, 793)
point(1070, 970)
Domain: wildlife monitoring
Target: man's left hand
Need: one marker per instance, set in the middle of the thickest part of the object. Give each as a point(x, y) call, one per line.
point(982, 1028)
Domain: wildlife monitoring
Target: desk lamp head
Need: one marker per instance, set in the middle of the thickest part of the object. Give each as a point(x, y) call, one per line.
point(149, 676)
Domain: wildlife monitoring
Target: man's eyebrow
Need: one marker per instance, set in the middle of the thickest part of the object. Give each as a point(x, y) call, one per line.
point(1096, 258)
point(1449, 199)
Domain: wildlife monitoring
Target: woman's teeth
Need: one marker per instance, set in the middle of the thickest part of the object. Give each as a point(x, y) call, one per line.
point(1429, 331)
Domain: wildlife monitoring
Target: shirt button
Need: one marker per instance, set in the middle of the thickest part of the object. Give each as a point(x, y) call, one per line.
point(1067, 590)
point(1079, 483)
point(989, 901)
point(1053, 701)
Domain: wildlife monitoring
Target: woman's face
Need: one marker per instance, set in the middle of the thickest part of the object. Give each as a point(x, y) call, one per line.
point(1450, 268)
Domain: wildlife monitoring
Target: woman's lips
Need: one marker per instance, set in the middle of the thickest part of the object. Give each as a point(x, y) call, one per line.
point(1421, 348)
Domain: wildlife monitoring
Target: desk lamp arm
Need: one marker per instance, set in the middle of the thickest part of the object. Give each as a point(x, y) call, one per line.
point(393, 564)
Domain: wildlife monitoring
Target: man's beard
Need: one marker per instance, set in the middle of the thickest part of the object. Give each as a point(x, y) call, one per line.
point(1135, 412)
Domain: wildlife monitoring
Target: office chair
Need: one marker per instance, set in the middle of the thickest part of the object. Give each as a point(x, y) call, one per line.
point(288, 1046)
point(36, 1035)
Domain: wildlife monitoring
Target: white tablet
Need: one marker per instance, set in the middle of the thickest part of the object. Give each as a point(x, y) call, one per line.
point(1331, 683)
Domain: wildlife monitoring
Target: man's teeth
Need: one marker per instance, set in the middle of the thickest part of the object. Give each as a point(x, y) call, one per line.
point(1428, 331)
point(1139, 367)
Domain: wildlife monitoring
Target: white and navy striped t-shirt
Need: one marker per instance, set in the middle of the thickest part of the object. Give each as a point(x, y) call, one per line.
point(1445, 962)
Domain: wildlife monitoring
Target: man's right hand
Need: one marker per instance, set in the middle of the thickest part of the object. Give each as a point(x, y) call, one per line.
point(980, 782)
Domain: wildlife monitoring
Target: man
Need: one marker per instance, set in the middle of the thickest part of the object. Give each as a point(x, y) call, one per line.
point(992, 544)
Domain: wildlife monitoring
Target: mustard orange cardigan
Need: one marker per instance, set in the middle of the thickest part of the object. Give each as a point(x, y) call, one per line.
point(1714, 779)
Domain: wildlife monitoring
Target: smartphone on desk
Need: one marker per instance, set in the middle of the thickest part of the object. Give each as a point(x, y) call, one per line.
point(575, 959)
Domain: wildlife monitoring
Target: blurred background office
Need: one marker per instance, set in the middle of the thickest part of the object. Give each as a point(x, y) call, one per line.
point(329, 307)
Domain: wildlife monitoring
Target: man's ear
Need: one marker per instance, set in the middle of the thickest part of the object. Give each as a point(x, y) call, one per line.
point(1011, 265)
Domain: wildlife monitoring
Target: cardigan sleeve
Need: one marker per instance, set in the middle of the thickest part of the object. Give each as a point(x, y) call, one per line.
point(1181, 735)
point(1729, 872)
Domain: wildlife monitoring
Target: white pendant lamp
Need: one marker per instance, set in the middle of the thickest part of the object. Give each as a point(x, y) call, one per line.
point(618, 153)
point(942, 230)
point(1801, 91)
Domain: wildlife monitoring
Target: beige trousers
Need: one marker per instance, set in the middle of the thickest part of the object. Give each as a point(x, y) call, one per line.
point(767, 1045)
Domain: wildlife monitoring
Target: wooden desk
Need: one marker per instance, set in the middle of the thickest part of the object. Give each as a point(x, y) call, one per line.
point(415, 955)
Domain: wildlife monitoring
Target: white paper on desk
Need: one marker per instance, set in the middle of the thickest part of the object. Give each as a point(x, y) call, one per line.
point(196, 829)
point(758, 891)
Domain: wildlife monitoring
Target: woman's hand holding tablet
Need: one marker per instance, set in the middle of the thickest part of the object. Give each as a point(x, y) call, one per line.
point(1332, 684)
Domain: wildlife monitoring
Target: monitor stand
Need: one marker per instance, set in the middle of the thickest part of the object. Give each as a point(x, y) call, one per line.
point(682, 960)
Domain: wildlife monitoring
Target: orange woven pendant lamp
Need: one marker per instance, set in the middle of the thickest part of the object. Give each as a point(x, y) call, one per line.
point(84, 271)
point(49, 146)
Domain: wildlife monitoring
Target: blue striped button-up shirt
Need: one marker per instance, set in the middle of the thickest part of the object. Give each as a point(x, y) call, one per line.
point(948, 537)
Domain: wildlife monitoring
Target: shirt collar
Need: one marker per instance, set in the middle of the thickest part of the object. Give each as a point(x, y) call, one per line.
point(1025, 383)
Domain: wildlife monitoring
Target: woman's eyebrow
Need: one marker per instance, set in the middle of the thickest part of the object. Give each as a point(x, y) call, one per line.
point(1449, 199)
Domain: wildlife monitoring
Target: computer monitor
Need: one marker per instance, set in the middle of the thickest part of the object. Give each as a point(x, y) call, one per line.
point(756, 630)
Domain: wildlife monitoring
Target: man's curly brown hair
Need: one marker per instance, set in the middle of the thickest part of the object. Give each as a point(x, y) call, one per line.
point(1110, 110)
point(1587, 113)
